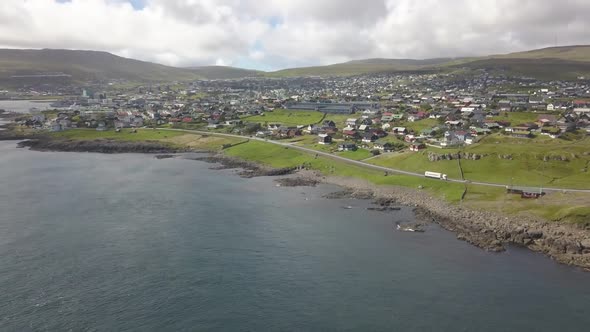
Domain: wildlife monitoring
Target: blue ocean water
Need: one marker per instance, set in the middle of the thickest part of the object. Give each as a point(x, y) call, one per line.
point(92, 242)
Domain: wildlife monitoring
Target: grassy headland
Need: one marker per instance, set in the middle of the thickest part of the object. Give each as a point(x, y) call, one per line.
point(525, 168)
point(169, 137)
point(287, 117)
point(278, 156)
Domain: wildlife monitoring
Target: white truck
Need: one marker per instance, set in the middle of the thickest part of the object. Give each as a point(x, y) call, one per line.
point(435, 175)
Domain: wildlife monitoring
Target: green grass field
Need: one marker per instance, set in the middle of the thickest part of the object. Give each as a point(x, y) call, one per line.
point(417, 162)
point(359, 154)
point(177, 138)
point(287, 117)
point(527, 166)
point(559, 207)
point(124, 135)
point(205, 142)
point(418, 126)
point(278, 156)
point(340, 119)
point(563, 207)
point(516, 118)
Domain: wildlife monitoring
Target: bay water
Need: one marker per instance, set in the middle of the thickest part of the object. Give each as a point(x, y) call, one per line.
point(93, 242)
point(24, 106)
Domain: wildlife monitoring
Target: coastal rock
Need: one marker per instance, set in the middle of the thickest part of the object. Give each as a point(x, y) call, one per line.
point(165, 156)
point(351, 193)
point(574, 248)
point(432, 156)
point(249, 169)
point(585, 243)
point(100, 146)
point(297, 182)
point(566, 243)
point(339, 194)
point(535, 234)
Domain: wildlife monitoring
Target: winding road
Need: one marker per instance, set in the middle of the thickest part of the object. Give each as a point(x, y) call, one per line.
point(361, 163)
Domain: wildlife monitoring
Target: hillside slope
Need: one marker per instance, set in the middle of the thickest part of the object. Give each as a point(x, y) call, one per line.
point(566, 53)
point(17, 66)
point(565, 62)
point(349, 69)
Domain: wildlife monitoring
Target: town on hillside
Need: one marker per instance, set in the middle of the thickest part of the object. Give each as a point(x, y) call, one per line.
point(380, 112)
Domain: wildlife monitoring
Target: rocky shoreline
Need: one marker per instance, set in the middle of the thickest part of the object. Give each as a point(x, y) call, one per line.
point(566, 243)
point(247, 169)
point(100, 146)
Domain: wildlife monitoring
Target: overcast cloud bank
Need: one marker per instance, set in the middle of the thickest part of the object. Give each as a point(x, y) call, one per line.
point(267, 34)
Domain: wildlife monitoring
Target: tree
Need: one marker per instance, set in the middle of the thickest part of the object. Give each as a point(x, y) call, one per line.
point(426, 107)
point(252, 128)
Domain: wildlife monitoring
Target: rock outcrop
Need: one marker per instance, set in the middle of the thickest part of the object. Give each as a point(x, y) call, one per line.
point(566, 243)
point(248, 169)
point(432, 156)
point(100, 146)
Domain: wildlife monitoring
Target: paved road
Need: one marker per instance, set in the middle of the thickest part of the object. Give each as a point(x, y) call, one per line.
point(361, 163)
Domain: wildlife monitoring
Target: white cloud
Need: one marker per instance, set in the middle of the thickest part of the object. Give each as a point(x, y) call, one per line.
point(292, 32)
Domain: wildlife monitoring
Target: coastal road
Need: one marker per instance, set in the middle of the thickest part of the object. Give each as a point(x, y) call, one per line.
point(361, 163)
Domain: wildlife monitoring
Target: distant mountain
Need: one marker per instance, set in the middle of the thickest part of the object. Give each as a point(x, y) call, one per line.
point(65, 66)
point(223, 72)
point(568, 53)
point(357, 67)
point(565, 62)
point(49, 65)
point(403, 62)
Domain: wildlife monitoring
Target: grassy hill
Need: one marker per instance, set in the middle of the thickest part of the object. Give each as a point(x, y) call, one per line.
point(65, 66)
point(408, 63)
point(571, 53)
point(223, 72)
point(48, 65)
point(566, 62)
point(350, 69)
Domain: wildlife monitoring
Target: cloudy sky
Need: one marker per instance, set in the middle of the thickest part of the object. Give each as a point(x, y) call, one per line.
point(274, 34)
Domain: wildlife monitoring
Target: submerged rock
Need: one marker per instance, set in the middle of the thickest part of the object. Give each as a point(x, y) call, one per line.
point(165, 156)
point(297, 182)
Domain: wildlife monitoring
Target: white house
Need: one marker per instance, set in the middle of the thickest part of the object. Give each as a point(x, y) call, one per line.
point(348, 128)
point(351, 122)
point(580, 111)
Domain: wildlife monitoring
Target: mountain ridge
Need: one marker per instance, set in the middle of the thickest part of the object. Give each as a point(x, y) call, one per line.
point(20, 66)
